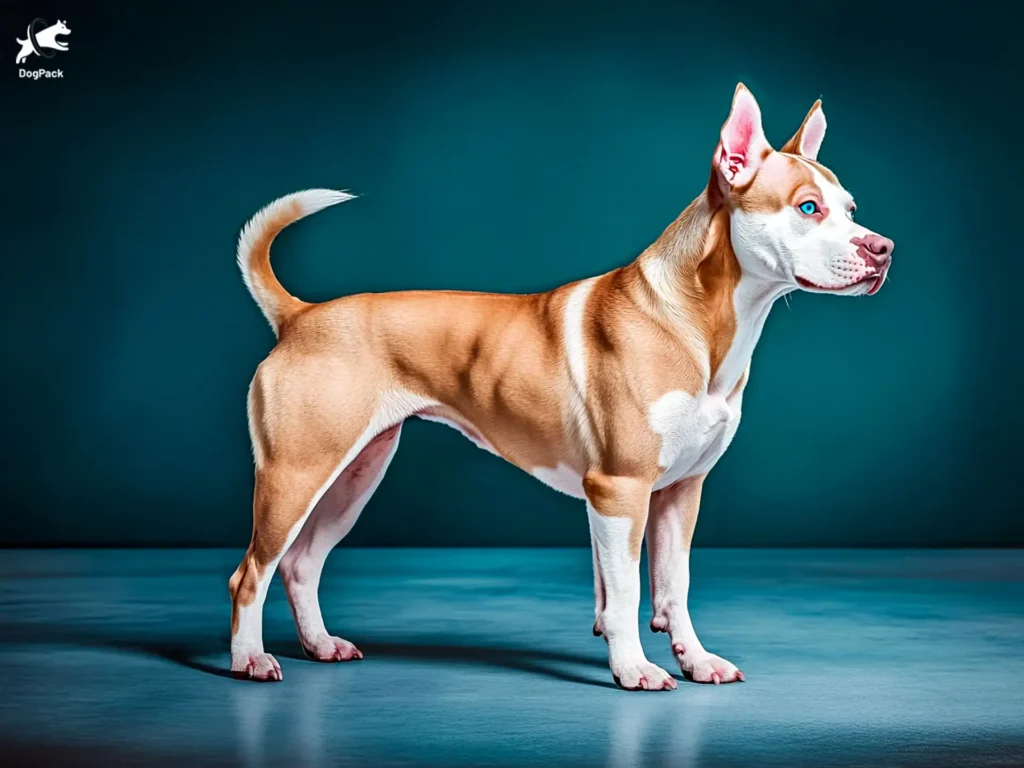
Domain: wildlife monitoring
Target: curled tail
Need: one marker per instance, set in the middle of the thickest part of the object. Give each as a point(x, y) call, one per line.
point(275, 302)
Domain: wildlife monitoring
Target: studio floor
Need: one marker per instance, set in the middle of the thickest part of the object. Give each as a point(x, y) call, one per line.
point(485, 657)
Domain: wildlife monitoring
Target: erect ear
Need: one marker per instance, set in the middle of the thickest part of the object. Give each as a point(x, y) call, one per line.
point(743, 144)
point(807, 140)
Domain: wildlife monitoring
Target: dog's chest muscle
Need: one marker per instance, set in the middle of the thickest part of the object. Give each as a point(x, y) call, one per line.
point(694, 431)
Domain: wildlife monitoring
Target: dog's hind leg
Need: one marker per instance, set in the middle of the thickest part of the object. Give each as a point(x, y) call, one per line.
point(331, 520)
point(302, 445)
point(285, 495)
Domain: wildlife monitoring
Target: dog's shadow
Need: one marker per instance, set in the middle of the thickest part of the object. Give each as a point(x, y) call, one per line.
point(535, 661)
point(192, 653)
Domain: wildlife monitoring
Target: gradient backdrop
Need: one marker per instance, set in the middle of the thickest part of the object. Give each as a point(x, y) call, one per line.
point(507, 147)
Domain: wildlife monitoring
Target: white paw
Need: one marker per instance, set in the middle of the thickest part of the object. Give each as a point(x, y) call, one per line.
point(642, 676)
point(706, 667)
point(256, 666)
point(330, 649)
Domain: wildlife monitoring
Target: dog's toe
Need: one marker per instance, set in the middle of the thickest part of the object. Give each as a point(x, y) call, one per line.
point(261, 667)
point(643, 676)
point(708, 668)
point(331, 649)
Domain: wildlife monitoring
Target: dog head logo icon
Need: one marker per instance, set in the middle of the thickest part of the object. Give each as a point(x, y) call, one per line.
point(42, 40)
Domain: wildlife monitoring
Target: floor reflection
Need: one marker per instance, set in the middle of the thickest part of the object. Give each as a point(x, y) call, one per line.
point(486, 658)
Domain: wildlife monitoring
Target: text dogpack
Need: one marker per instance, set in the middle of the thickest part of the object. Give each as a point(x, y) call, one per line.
point(38, 74)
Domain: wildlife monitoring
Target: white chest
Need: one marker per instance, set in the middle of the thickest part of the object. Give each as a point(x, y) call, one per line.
point(695, 431)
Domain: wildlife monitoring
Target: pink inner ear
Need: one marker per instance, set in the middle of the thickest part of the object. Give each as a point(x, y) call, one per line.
point(814, 134)
point(743, 124)
point(739, 135)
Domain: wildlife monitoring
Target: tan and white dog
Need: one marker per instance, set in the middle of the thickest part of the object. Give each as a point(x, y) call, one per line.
point(622, 390)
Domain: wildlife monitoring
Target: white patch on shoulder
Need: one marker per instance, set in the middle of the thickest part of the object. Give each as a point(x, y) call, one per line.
point(562, 478)
point(574, 347)
point(575, 354)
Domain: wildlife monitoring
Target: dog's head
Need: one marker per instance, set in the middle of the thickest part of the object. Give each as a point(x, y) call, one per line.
point(791, 219)
point(60, 28)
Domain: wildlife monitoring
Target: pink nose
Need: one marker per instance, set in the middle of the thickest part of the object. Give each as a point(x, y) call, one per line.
point(874, 249)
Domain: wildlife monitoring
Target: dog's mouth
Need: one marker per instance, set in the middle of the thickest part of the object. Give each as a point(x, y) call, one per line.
point(878, 280)
point(873, 280)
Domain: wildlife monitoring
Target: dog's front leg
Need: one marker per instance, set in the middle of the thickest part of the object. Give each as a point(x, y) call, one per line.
point(617, 507)
point(673, 516)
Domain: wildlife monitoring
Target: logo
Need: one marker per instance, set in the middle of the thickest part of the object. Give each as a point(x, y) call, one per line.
point(41, 40)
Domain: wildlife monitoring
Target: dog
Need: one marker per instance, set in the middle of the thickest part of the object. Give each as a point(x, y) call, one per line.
point(622, 390)
point(46, 38)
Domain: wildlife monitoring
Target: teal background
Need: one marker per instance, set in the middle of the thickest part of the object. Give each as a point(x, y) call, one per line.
point(508, 147)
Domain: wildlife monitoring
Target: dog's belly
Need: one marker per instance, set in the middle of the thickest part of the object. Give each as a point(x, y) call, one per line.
point(695, 433)
point(446, 416)
point(561, 477)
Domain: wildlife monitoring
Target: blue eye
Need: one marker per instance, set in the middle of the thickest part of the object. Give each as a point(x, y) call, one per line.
point(810, 207)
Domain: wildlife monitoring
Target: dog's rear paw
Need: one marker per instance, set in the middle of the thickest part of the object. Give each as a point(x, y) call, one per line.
point(258, 666)
point(330, 649)
point(707, 668)
point(643, 676)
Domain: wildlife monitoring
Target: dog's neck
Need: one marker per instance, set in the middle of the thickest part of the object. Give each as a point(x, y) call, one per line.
point(697, 280)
